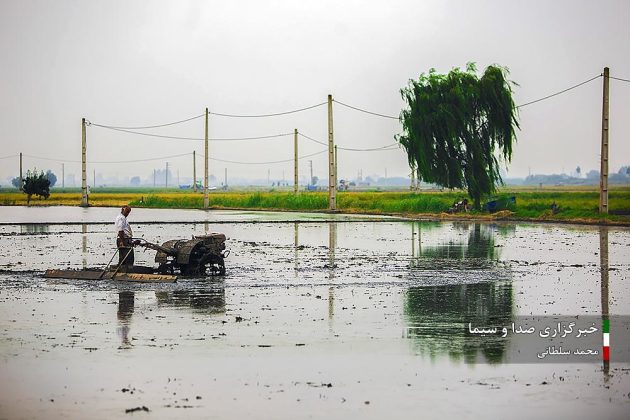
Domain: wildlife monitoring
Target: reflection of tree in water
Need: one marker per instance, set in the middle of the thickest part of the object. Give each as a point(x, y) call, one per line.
point(438, 316)
point(480, 245)
point(210, 301)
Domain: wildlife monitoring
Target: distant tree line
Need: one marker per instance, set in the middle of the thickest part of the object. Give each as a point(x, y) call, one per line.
point(592, 177)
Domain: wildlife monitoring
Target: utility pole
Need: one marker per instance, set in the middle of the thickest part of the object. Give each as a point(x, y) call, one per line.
point(166, 176)
point(21, 177)
point(332, 181)
point(94, 179)
point(84, 189)
point(225, 183)
point(153, 178)
point(268, 176)
point(413, 180)
point(603, 173)
point(194, 173)
point(295, 161)
point(336, 165)
point(310, 182)
point(205, 170)
point(178, 176)
point(63, 176)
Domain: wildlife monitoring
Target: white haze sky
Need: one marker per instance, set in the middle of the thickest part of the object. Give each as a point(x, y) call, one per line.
point(130, 63)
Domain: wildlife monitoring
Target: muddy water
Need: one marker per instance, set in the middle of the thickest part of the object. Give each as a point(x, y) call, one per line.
point(317, 317)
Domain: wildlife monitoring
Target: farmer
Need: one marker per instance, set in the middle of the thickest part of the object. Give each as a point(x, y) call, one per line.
point(123, 238)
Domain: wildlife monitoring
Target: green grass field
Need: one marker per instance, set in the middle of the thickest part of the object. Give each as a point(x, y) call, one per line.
point(578, 204)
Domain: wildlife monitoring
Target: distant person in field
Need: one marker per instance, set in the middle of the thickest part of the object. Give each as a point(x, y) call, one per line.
point(124, 241)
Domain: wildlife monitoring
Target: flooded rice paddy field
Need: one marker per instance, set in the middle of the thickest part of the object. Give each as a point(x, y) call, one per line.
point(317, 317)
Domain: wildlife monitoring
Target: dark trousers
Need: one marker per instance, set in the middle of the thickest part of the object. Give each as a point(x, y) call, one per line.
point(122, 252)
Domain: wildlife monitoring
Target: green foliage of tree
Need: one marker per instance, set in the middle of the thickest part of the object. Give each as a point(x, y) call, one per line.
point(16, 182)
point(458, 127)
point(36, 183)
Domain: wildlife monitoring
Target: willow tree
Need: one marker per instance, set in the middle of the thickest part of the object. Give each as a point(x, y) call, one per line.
point(458, 128)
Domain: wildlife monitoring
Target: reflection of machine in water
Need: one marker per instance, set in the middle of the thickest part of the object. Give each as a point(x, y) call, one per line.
point(438, 315)
point(210, 301)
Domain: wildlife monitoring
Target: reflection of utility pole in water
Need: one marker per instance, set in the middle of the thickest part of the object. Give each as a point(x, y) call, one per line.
point(603, 263)
point(415, 255)
point(332, 244)
point(295, 247)
point(84, 244)
point(413, 244)
point(331, 306)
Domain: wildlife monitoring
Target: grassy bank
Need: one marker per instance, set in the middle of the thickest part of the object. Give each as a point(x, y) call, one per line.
point(580, 204)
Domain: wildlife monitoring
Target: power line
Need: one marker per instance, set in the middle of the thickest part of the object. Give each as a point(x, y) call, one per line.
point(7, 157)
point(349, 148)
point(376, 149)
point(268, 162)
point(267, 115)
point(52, 159)
point(561, 92)
point(195, 138)
point(620, 79)
point(519, 106)
point(312, 139)
point(314, 106)
point(146, 160)
point(149, 126)
point(103, 162)
point(365, 111)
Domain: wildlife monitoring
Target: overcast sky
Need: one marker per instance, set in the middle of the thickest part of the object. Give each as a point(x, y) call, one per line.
point(137, 63)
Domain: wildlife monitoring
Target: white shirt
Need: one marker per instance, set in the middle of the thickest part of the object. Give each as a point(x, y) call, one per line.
point(122, 224)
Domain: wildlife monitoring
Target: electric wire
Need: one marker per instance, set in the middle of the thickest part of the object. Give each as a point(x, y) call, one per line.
point(349, 148)
point(376, 149)
point(271, 136)
point(123, 128)
point(365, 111)
point(267, 162)
point(108, 162)
point(219, 114)
point(312, 139)
point(518, 106)
point(149, 126)
point(620, 79)
point(560, 92)
point(8, 157)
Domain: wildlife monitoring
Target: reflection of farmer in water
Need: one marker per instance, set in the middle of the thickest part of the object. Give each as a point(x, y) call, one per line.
point(125, 310)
